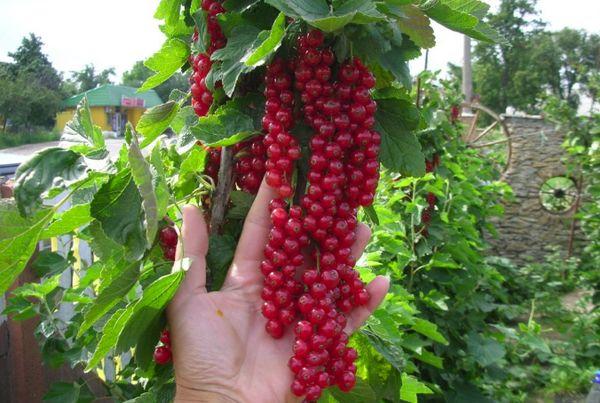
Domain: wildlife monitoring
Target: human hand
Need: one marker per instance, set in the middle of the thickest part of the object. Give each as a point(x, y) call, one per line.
point(221, 351)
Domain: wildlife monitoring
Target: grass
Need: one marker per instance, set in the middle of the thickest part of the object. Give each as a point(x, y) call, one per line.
point(8, 139)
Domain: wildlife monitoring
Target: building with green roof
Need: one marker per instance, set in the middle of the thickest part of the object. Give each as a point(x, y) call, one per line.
point(112, 106)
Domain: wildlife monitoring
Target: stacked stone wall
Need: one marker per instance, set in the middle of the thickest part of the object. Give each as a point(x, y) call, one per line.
point(527, 230)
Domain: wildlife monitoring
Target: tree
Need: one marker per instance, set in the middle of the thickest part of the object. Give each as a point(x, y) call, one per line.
point(87, 78)
point(30, 60)
point(140, 73)
point(534, 63)
point(30, 87)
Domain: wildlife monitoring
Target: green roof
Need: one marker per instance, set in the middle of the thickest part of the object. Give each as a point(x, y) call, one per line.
point(113, 95)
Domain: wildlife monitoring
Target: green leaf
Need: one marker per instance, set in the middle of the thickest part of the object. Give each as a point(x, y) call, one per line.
point(117, 280)
point(426, 328)
point(243, 41)
point(411, 387)
point(169, 11)
point(156, 120)
point(201, 45)
point(48, 263)
point(51, 168)
point(431, 359)
point(372, 214)
point(64, 392)
point(110, 335)
point(159, 180)
point(414, 23)
point(101, 244)
point(227, 126)
point(68, 221)
point(151, 305)
point(82, 128)
point(485, 351)
point(465, 17)
point(241, 202)
point(221, 249)
point(396, 120)
point(118, 208)
point(125, 326)
point(318, 13)
point(362, 392)
point(18, 240)
point(270, 44)
point(383, 334)
point(141, 171)
point(173, 54)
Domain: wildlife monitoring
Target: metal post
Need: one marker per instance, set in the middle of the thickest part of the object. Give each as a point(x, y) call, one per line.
point(467, 71)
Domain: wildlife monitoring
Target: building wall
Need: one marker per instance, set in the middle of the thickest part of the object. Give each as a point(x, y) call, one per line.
point(527, 230)
point(99, 117)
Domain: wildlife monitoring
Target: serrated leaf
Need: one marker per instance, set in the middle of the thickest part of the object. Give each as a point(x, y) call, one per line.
point(221, 127)
point(465, 16)
point(414, 23)
point(81, 127)
point(159, 180)
point(396, 120)
point(173, 54)
point(169, 11)
point(431, 359)
point(68, 221)
point(411, 388)
point(155, 121)
point(143, 312)
point(318, 13)
point(18, 240)
point(103, 247)
point(362, 392)
point(269, 45)
point(200, 19)
point(243, 40)
point(484, 350)
point(48, 263)
point(117, 280)
point(241, 202)
point(51, 168)
point(118, 208)
point(110, 335)
point(141, 171)
point(428, 329)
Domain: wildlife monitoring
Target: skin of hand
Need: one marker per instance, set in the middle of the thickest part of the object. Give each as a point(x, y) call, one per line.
point(221, 351)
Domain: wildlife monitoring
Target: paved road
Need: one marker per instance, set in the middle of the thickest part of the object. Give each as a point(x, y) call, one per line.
point(10, 158)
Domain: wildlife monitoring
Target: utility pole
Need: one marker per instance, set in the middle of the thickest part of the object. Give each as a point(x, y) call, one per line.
point(467, 71)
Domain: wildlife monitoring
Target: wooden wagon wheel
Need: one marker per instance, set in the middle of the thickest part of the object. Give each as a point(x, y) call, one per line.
point(488, 133)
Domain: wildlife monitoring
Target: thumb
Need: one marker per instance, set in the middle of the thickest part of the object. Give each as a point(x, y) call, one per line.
point(193, 245)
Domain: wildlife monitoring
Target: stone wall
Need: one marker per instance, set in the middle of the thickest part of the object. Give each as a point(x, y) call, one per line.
point(527, 230)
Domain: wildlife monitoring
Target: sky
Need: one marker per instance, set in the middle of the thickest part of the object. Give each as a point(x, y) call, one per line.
point(117, 33)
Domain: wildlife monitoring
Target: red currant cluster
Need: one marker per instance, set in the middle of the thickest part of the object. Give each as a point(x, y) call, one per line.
point(282, 147)
point(168, 242)
point(343, 175)
point(162, 353)
point(430, 166)
point(250, 164)
point(202, 98)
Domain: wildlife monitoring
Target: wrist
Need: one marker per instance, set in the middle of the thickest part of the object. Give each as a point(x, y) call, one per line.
point(185, 394)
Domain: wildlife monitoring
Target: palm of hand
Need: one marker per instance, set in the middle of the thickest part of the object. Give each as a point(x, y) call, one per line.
point(219, 342)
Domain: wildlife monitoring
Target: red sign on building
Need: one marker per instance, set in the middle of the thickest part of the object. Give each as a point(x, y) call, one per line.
point(132, 102)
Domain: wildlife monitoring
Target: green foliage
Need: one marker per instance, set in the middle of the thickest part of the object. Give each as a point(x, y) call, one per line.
point(520, 74)
point(87, 78)
point(431, 335)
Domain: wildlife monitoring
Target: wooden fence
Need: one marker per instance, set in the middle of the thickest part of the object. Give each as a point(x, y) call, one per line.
point(23, 376)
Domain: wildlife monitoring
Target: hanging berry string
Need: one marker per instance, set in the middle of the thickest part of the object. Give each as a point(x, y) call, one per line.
point(168, 242)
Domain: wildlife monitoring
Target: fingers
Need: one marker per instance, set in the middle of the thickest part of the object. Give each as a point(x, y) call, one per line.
point(194, 245)
point(377, 289)
point(363, 234)
point(254, 236)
